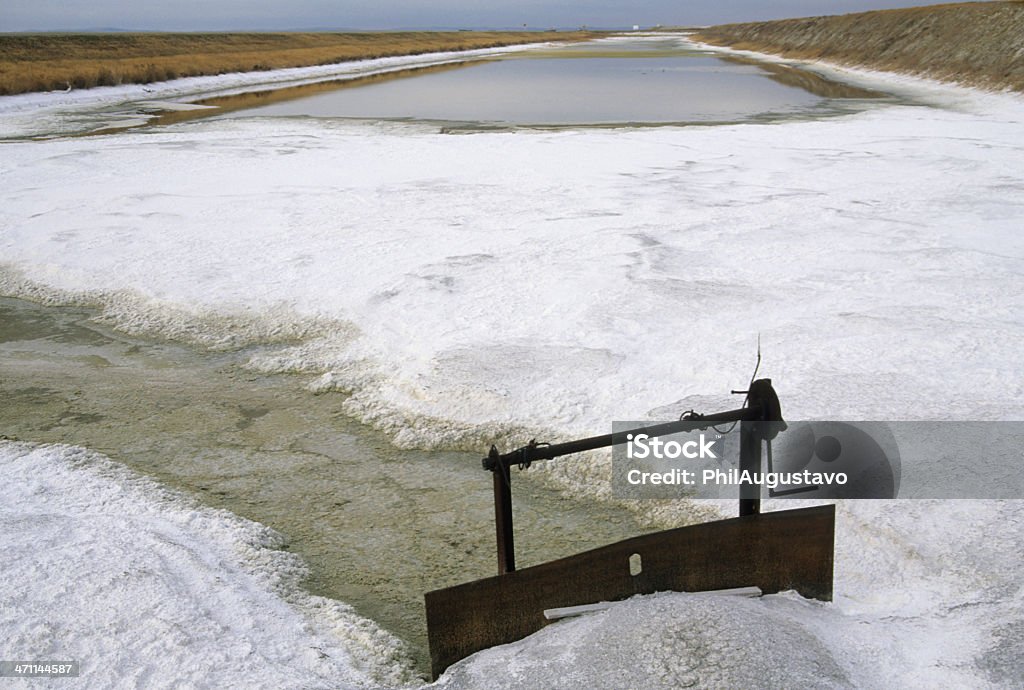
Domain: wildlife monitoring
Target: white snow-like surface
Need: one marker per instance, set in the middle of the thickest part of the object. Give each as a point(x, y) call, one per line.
point(558, 280)
point(465, 286)
point(661, 641)
point(146, 589)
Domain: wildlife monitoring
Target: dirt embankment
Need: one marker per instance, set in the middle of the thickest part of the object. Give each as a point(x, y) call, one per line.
point(45, 62)
point(980, 44)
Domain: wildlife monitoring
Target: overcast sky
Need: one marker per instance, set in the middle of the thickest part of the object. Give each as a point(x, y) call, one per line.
point(218, 15)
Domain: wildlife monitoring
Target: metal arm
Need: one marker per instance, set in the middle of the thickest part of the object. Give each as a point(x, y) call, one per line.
point(762, 406)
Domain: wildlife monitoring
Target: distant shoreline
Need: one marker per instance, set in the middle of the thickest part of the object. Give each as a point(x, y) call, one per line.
point(35, 62)
point(974, 44)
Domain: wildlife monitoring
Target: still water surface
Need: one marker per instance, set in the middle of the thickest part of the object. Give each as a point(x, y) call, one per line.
point(603, 83)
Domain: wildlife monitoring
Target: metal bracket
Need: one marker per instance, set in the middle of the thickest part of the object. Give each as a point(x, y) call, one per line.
point(762, 405)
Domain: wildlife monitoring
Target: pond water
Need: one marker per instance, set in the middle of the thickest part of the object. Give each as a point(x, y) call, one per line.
point(601, 83)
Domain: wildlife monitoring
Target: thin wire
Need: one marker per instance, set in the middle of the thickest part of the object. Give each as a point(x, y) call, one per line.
point(754, 375)
point(727, 431)
point(746, 400)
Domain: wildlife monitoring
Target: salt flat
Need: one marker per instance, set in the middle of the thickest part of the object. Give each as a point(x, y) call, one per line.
point(557, 280)
point(473, 288)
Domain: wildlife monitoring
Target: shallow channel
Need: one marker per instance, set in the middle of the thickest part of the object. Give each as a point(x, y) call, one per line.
point(378, 526)
point(609, 82)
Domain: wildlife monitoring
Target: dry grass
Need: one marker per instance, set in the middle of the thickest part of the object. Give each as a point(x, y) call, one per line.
point(980, 44)
point(46, 62)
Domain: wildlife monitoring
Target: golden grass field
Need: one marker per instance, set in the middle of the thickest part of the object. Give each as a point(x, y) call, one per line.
point(976, 43)
point(47, 62)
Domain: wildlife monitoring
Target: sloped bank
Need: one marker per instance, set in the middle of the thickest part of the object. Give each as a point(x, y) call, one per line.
point(978, 44)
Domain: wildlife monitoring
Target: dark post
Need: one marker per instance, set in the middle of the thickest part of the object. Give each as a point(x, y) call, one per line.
point(750, 460)
point(762, 426)
point(503, 515)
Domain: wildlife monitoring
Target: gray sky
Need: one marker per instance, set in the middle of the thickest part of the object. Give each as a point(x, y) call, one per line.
point(217, 15)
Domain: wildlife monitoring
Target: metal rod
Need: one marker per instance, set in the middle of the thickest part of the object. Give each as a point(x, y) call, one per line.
point(533, 452)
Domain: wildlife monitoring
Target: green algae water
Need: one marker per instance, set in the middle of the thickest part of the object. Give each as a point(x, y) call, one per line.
point(378, 526)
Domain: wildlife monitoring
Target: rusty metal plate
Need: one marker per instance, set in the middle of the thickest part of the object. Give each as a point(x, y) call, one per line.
point(790, 549)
